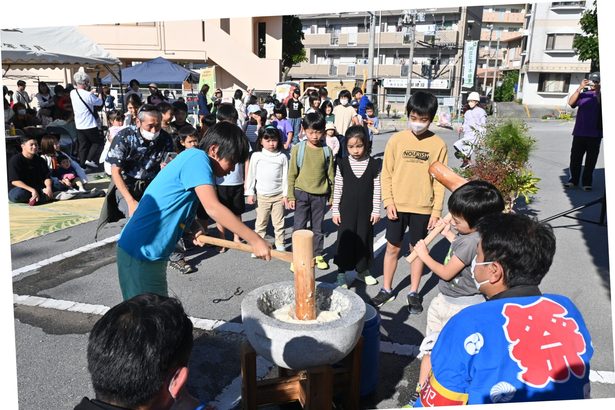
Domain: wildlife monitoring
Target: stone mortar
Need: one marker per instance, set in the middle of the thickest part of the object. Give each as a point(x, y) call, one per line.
point(300, 346)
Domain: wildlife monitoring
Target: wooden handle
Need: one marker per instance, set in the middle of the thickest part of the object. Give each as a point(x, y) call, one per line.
point(210, 240)
point(446, 176)
point(431, 236)
point(305, 294)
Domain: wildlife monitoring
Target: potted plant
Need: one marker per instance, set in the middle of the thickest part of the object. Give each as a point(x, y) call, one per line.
point(501, 157)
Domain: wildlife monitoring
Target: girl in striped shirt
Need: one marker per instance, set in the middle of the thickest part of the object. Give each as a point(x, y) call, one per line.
point(356, 207)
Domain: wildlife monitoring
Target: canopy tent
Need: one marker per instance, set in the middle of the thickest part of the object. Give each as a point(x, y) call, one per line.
point(158, 70)
point(51, 47)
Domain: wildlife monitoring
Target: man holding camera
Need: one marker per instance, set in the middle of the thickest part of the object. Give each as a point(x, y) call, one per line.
point(84, 102)
point(587, 131)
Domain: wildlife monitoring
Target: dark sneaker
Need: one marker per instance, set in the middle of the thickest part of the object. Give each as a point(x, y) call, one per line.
point(383, 297)
point(182, 267)
point(569, 185)
point(415, 303)
point(587, 187)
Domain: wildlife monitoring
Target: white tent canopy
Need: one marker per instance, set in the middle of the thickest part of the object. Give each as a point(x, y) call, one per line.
point(51, 47)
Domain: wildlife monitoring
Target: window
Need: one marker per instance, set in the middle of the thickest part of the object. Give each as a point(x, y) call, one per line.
point(351, 70)
point(553, 82)
point(559, 41)
point(225, 25)
point(262, 39)
point(332, 70)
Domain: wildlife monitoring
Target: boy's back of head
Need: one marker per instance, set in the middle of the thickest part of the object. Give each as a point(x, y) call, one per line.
point(474, 200)
point(314, 121)
point(209, 120)
point(523, 246)
point(422, 103)
point(227, 112)
point(136, 347)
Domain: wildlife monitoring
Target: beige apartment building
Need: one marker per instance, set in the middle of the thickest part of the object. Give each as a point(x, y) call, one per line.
point(246, 52)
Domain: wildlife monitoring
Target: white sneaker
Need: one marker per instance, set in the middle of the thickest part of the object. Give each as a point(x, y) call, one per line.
point(63, 196)
point(280, 248)
point(253, 256)
point(91, 164)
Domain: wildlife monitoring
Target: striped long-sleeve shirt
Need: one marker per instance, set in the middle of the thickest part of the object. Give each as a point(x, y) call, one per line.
point(358, 168)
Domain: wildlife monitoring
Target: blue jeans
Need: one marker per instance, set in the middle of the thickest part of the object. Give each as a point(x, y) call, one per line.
point(22, 196)
point(296, 124)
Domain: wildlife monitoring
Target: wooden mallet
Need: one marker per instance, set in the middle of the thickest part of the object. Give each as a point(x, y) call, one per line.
point(451, 181)
point(303, 260)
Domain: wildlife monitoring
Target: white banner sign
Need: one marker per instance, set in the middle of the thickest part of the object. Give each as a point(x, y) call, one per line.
point(470, 52)
point(438, 84)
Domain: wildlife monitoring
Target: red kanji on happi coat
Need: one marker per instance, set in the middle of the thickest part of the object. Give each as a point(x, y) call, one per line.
point(546, 345)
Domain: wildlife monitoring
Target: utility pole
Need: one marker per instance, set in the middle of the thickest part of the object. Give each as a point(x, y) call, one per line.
point(488, 55)
point(495, 72)
point(370, 56)
point(409, 20)
point(459, 57)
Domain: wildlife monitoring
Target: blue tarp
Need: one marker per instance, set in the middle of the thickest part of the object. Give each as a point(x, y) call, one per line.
point(158, 70)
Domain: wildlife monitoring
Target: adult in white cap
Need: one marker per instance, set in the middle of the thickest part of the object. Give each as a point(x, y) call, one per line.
point(474, 123)
point(587, 131)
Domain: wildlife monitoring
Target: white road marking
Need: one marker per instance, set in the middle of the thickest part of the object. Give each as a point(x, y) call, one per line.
point(65, 255)
point(229, 394)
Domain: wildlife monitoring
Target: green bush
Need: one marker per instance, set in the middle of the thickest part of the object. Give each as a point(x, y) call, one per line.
point(502, 158)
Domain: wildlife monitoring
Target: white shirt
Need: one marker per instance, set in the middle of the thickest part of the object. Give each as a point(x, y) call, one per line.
point(84, 119)
point(268, 174)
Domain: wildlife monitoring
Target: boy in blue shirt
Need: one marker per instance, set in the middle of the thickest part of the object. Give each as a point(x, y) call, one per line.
point(169, 205)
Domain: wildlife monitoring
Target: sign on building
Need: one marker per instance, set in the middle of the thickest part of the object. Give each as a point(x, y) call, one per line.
point(438, 84)
point(470, 52)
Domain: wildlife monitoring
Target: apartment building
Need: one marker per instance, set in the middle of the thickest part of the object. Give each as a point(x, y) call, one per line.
point(550, 69)
point(337, 47)
point(501, 39)
point(245, 51)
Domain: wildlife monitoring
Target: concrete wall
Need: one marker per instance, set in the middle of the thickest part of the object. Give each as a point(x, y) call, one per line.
point(531, 96)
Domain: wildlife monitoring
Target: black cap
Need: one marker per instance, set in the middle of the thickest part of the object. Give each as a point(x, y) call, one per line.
point(595, 77)
point(178, 105)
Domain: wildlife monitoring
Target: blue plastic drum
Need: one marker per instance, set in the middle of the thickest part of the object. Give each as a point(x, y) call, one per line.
point(370, 358)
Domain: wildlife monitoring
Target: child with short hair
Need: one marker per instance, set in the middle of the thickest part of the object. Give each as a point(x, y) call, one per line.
point(116, 119)
point(467, 205)
point(412, 197)
point(356, 208)
point(187, 137)
point(295, 112)
point(310, 182)
point(371, 121)
point(169, 205)
point(167, 116)
point(256, 120)
point(284, 125)
point(314, 102)
point(361, 99)
point(268, 183)
point(180, 112)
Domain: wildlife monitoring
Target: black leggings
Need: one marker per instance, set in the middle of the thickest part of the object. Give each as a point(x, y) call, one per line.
point(91, 143)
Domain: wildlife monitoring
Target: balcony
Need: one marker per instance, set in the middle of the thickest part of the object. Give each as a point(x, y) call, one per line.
point(396, 39)
point(504, 36)
point(306, 70)
point(500, 17)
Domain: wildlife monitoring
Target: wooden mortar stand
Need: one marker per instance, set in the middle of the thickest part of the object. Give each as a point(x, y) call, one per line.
point(313, 388)
point(451, 181)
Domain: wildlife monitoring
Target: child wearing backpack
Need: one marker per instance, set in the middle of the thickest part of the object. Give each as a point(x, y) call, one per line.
point(268, 183)
point(310, 182)
point(356, 207)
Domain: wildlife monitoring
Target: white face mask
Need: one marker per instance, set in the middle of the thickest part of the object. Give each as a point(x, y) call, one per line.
point(344, 101)
point(472, 266)
point(150, 136)
point(417, 127)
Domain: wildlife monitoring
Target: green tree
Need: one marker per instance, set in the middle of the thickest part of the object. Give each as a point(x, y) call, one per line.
point(292, 44)
point(506, 92)
point(586, 45)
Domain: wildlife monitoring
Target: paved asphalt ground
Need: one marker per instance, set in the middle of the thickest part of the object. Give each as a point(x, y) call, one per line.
point(74, 290)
